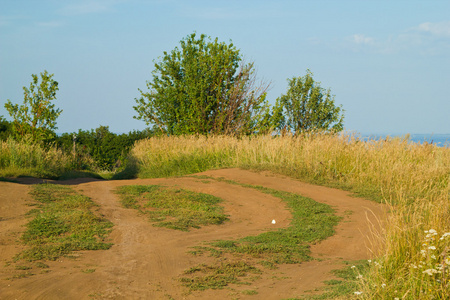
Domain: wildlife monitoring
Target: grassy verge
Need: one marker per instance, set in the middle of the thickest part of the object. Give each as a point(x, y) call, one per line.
point(29, 158)
point(62, 222)
point(413, 179)
point(311, 222)
point(173, 208)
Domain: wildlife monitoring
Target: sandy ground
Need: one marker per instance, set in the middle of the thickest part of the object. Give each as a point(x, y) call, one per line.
point(146, 262)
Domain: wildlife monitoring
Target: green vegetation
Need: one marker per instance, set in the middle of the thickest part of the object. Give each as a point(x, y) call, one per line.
point(173, 208)
point(306, 107)
point(30, 158)
point(63, 222)
point(311, 222)
point(37, 116)
point(204, 88)
point(98, 154)
point(412, 179)
point(217, 277)
point(346, 285)
point(108, 151)
point(5, 129)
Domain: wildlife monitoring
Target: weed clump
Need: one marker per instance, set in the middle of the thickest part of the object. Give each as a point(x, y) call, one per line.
point(62, 223)
point(173, 208)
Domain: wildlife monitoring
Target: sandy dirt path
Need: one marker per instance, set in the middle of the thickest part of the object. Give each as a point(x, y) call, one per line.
point(146, 262)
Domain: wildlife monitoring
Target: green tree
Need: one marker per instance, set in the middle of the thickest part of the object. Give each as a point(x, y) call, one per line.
point(204, 87)
point(306, 107)
point(37, 116)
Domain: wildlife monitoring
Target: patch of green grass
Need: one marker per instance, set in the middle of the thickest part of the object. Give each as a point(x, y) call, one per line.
point(249, 292)
point(23, 267)
point(41, 265)
point(88, 271)
point(173, 208)
point(22, 275)
point(346, 286)
point(311, 222)
point(62, 223)
point(219, 276)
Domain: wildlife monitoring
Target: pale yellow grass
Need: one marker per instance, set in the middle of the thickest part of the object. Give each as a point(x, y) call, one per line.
point(412, 179)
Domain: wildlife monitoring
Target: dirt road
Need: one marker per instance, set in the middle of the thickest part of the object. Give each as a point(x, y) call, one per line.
point(146, 262)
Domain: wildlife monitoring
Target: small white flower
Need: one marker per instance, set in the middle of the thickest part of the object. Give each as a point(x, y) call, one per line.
point(359, 276)
point(357, 293)
point(369, 261)
point(383, 285)
point(445, 235)
point(432, 231)
point(353, 267)
point(433, 256)
point(432, 248)
point(430, 272)
point(396, 298)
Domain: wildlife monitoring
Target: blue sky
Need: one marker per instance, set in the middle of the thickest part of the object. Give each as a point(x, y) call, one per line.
point(387, 62)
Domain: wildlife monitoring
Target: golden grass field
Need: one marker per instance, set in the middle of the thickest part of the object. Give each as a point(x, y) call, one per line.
point(412, 179)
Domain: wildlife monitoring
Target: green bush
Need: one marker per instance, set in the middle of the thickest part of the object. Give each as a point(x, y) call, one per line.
point(109, 150)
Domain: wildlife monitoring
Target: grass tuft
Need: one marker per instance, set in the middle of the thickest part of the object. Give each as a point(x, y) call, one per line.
point(173, 208)
point(63, 223)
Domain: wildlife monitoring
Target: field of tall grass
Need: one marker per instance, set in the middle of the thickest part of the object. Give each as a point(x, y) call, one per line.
point(413, 180)
point(30, 158)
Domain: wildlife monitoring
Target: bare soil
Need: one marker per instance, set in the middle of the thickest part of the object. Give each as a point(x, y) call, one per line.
point(146, 262)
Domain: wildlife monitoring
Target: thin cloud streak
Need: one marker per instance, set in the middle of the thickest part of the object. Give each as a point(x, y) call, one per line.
point(441, 29)
point(426, 39)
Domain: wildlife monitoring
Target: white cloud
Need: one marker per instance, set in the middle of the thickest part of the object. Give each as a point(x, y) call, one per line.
point(441, 29)
point(426, 38)
point(361, 39)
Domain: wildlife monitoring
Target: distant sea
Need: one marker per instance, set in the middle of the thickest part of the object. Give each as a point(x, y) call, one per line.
point(441, 140)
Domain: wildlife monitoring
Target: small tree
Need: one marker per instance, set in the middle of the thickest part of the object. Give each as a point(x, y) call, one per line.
point(37, 116)
point(203, 87)
point(306, 106)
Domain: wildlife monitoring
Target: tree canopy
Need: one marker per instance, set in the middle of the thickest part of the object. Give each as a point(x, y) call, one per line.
point(204, 87)
point(306, 106)
point(37, 115)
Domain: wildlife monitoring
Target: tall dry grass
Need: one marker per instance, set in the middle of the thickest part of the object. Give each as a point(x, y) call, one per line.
point(29, 158)
point(413, 179)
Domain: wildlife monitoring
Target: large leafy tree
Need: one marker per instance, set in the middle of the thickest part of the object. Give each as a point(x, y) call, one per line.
point(204, 87)
point(37, 115)
point(306, 106)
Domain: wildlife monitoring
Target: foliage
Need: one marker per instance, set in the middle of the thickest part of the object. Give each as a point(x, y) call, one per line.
point(6, 129)
point(30, 158)
point(218, 277)
point(63, 223)
point(204, 88)
point(109, 150)
point(37, 116)
point(306, 106)
point(413, 179)
point(173, 208)
point(311, 222)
